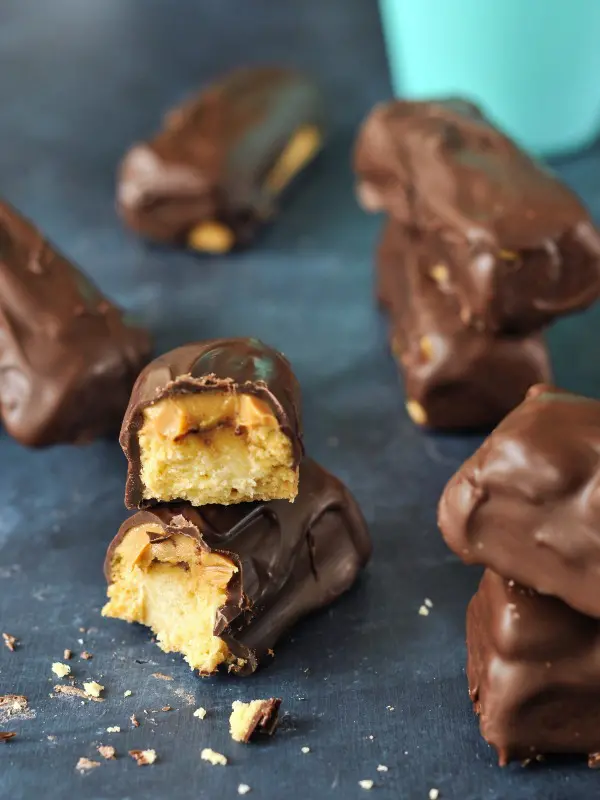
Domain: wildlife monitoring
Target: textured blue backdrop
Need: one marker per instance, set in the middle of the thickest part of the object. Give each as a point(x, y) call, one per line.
point(79, 80)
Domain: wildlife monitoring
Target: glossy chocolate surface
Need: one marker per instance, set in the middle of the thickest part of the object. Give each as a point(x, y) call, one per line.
point(519, 245)
point(292, 557)
point(462, 378)
point(68, 359)
point(212, 158)
point(526, 503)
point(219, 365)
point(533, 670)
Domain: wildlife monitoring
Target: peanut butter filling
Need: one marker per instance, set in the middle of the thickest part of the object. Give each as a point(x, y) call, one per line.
point(174, 588)
point(215, 447)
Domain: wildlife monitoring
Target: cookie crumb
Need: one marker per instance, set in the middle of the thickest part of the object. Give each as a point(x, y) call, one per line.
point(368, 784)
point(107, 751)
point(382, 768)
point(127, 693)
point(200, 713)
point(85, 764)
point(10, 641)
point(93, 688)
point(428, 602)
point(161, 676)
point(73, 691)
point(5, 736)
point(243, 788)
point(85, 655)
point(424, 611)
point(113, 729)
point(214, 758)
point(305, 750)
point(134, 721)
point(390, 708)
point(61, 670)
point(434, 794)
point(257, 716)
point(143, 758)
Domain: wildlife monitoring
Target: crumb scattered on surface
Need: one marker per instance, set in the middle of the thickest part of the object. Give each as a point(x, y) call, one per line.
point(6, 735)
point(51, 738)
point(434, 794)
point(67, 654)
point(370, 736)
point(61, 670)
point(84, 764)
point(428, 602)
point(107, 751)
point(10, 641)
point(13, 705)
point(166, 708)
point(253, 718)
point(161, 676)
point(85, 655)
point(214, 758)
point(113, 729)
point(367, 784)
point(243, 788)
point(390, 708)
point(594, 761)
point(143, 757)
point(382, 768)
point(200, 713)
point(305, 749)
point(93, 688)
point(127, 693)
point(424, 611)
point(82, 630)
point(73, 691)
point(134, 721)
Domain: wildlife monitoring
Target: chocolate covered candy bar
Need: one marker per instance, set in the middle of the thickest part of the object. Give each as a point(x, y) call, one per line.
point(68, 359)
point(533, 670)
point(213, 422)
point(221, 584)
point(525, 504)
point(520, 248)
point(454, 376)
point(216, 170)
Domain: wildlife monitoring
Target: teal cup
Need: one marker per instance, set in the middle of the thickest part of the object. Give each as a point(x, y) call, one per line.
point(533, 65)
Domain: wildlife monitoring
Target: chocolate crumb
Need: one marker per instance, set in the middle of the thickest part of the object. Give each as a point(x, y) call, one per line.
point(85, 655)
point(10, 641)
point(107, 751)
point(143, 757)
point(134, 721)
point(6, 735)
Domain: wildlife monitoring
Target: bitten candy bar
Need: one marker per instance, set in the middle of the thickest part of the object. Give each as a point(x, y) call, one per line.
point(68, 359)
point(256, 717)
point(220, 584)
point(216, 171)
point(520, 248)
point(454, 376)
point(213, 422)
point(526, 503)
point(534, 672)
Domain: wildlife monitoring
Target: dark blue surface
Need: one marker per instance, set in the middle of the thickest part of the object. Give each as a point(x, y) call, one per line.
point(79, 80)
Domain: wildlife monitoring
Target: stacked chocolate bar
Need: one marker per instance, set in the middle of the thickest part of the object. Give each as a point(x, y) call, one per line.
point(238, 534)
point(483, 248)
point(526, 505)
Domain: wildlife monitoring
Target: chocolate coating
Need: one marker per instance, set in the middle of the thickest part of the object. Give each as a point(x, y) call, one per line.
point(212, 157)
point(520, 247)
point(292, 558)
point(246, 366)
point(462, 378)
point(526, 503)
point(68, 360)
point(534, 671)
